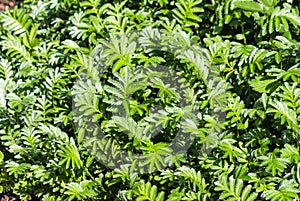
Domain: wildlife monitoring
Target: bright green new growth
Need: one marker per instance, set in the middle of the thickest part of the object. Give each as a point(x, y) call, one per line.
point(46, 46)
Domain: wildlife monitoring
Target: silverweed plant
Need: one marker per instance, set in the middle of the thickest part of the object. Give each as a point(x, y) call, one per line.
point(87, 113)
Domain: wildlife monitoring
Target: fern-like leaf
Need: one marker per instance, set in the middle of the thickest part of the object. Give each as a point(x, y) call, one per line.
point(287, 191)
point(17, 22)
point(233, 189)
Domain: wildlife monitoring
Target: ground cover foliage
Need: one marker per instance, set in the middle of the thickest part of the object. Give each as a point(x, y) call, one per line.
point(252, 45)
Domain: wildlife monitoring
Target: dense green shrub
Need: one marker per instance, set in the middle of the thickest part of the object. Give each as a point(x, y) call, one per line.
point(252, 45)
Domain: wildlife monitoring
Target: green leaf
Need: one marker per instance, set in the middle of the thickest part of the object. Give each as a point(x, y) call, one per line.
point(17, 21)
point(269, 3)
point(263, 85)
point(276, 165)
point(249, 5)
point(70, 155)
point(287, 190)
point(1, 157)
point(233, 189)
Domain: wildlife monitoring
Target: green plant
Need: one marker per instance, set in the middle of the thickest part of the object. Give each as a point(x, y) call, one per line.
point(73, 69)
